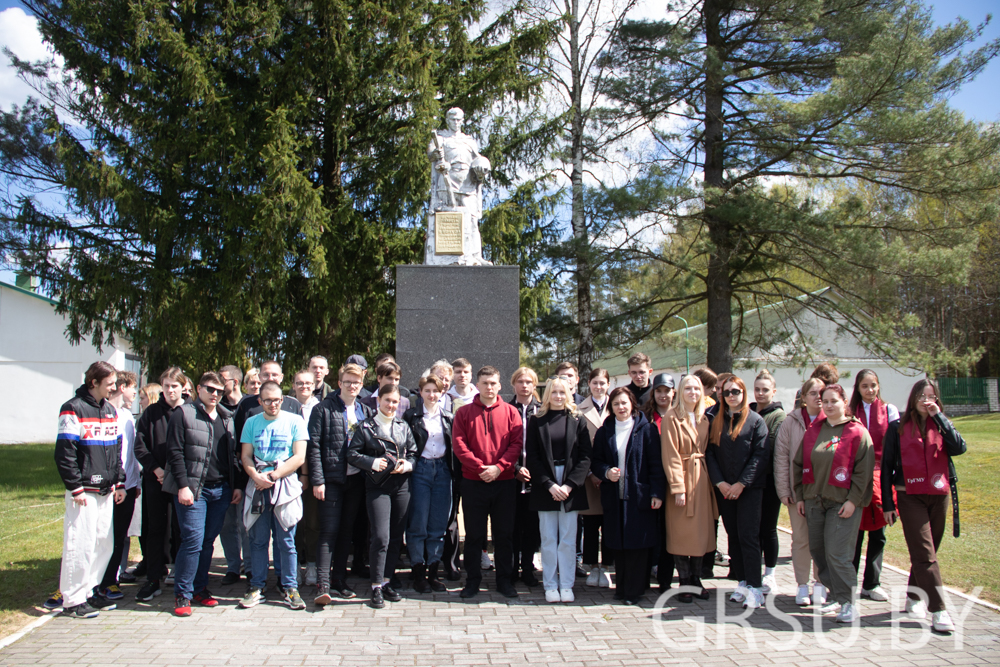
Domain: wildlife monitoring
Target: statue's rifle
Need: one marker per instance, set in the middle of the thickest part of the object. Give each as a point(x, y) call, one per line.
point(444, 175)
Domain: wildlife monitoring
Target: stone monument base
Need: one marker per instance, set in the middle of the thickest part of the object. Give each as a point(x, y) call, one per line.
point(446, 312)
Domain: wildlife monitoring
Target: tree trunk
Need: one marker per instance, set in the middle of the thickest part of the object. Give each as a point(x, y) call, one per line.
point(581, 237)
point(719, 282)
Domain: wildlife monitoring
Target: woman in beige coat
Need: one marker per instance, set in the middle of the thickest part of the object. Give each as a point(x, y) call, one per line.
point(786, 446)
point(692, 513)
point(594, 409)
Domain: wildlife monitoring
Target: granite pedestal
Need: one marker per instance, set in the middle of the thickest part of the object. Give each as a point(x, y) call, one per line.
point(446, 312)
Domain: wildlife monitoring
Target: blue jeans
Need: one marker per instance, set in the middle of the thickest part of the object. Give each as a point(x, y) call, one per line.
point(235, 541)
point(430, 508)
point(200, 524)
point(284, 549)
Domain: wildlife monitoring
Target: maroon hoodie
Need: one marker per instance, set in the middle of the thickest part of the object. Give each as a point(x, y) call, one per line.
point(485, 436)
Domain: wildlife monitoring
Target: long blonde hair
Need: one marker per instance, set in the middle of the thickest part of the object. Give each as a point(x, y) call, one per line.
point(547, 397)
point(680, 412)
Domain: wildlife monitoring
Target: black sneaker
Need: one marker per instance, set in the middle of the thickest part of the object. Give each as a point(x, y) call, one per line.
point(140, 569)
point(128, 578)
point(101, 603)
point(81, 611)
point(149, 590)
point(230, 579)
point(390, 594)
point(506, 589)
point(377, 601)
point(470, 591)
point(342, 589)
point(322, 596)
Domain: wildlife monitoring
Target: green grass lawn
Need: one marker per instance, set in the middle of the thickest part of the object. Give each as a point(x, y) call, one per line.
point(31, 498)
point(973, 559)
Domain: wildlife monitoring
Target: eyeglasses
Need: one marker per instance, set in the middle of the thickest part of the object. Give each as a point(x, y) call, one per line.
point(731, 392)
point(213, 390)
point(272, 401)
point(304, 384)
point(559, 377)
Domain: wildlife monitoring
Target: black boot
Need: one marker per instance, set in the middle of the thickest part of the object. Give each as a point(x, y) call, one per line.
point(420, 578)
point(432, 579)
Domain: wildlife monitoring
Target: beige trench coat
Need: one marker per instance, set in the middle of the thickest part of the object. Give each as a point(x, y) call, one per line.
point(594, 421)
point(691, 527)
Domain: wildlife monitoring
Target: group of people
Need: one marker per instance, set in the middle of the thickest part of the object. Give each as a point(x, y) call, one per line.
point(646, 470)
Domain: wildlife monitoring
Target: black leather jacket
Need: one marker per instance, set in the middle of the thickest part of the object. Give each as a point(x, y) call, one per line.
point(326, 454)
point(892, 464)
point(741, 459)
point(369, 444)
point(414, 417)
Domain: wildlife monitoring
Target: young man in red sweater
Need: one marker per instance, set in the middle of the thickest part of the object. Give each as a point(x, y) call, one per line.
point(486, 438)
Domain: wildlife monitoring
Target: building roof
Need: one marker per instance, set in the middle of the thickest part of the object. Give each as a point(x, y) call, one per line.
point(28, 292)
point(775, 321)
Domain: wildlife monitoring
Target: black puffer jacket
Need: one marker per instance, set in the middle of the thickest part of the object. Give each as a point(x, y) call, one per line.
point(326, 454)
point(151, 436)
point(742, 459)
point(414, 417)
point(368, 444)
point(88, 445)
point(189, 445)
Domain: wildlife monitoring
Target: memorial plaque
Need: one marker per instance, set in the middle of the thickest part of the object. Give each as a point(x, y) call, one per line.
point(448, 233)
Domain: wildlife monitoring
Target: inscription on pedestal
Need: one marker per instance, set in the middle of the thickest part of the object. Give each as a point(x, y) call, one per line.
point(448, 233)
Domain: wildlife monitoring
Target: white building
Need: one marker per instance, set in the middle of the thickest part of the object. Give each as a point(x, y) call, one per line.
point(786, 325)
point(39, 368)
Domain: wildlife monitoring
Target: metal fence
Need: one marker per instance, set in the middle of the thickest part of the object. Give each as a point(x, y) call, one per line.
point(963, 391)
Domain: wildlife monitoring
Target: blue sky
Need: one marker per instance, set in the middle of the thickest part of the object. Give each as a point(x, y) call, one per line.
point(979, 99)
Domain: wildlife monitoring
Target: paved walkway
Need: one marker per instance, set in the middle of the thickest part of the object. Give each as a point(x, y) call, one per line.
point(442, 629)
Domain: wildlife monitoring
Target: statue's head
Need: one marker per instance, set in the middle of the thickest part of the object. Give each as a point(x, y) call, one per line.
point(454, 118)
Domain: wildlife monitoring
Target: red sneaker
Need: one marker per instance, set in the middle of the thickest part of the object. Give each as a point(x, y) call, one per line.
point(205, 599)
point(182, 606)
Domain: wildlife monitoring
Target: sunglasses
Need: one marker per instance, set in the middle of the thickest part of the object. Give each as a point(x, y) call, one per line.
point(731, 392)
point(214, 390)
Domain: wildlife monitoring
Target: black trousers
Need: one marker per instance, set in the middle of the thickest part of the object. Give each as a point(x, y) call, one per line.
point(632, 573)
point(873, 558)
point(593, 541)
point(494, 502)
point(664, 561)
point(387, 505)
point(741, 518)
point(157, 508)
point(330, 510)
point(451, 557)
point(351, 511)
point(526, 537)
point(770, 510)
point(121, 519)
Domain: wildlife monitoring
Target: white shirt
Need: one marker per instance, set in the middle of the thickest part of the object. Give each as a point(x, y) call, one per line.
point(434, 448)
point(308, 406)
point(623, 429)
point(892, 414)
point(352, 423)
point(126, 426)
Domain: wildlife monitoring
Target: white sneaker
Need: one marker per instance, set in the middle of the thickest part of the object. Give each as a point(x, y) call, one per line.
point(594, 577)
point(485, 563)
point(819, 595)
point(566, 595)
point(552, 596)
point(802, 597)
point(941, 621)
point(829, 608)
point(310, 574)
point(768, 583)
point(721, 558)
point(740, 594)
point(603, 580)
point(876, 594)
point(916, 608)
point(754, 599)
point(848, 613)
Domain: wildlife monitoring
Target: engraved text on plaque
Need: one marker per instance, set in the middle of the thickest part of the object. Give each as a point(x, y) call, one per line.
point(448, 233)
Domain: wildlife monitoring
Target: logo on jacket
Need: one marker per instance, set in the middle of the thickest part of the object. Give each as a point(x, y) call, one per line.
point(938, 481)
point(841, 474)
point(96, 479)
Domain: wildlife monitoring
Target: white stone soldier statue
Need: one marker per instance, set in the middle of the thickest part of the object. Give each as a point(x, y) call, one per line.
point(456, 189)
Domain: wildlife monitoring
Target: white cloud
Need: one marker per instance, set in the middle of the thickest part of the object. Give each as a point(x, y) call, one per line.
point(19, 33)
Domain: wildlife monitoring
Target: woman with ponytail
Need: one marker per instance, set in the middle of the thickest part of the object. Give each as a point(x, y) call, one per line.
point(875, 415)
point(916, 463)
